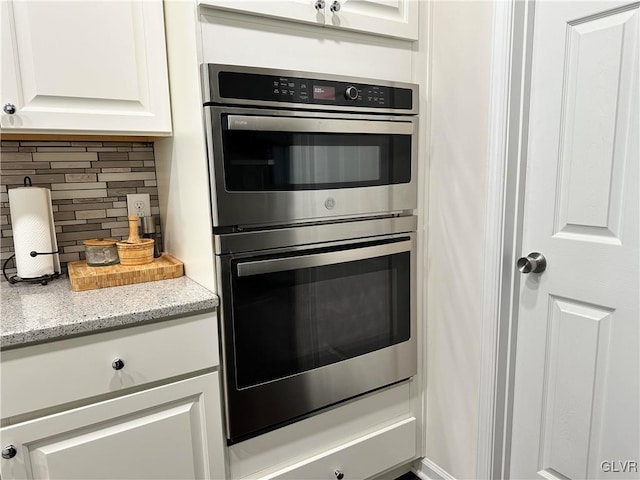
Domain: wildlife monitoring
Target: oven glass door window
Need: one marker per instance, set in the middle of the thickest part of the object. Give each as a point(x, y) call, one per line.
point(277, 161)
point(288, 322)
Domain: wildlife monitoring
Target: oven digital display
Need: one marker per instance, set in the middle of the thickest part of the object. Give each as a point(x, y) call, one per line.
point(323, 92)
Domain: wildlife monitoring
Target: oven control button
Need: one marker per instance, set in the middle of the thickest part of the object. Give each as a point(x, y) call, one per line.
point(329, 203)
point(351, 93)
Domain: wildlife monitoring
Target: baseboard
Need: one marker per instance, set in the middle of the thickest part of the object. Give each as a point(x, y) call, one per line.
point(428, 470)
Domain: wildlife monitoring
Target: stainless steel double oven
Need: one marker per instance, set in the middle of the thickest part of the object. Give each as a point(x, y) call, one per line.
point(313, 187)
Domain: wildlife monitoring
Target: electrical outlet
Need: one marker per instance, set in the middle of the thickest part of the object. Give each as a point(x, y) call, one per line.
point(139, 204)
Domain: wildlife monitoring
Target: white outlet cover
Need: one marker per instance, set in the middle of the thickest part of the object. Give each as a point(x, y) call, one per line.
point(139, 204)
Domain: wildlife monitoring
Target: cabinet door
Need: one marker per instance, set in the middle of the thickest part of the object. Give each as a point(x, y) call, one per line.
point(395, 18)
point(84, 67)
point(168, 432)
point(296, 10)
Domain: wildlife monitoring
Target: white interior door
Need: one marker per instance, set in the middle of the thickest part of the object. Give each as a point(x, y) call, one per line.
point(576, 399)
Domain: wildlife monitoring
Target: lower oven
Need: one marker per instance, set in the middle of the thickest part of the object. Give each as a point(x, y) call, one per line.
point(326, 318)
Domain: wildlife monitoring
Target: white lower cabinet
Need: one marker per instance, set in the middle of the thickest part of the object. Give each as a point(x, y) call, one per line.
point(358, 459)
point(136, 403)
point(168, 432)
point(41, 376)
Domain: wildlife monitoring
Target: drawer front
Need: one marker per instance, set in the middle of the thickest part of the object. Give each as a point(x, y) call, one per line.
point(54, 373)
point(359, 459)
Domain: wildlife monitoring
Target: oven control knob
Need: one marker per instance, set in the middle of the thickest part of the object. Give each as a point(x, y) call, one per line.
point(351, 93)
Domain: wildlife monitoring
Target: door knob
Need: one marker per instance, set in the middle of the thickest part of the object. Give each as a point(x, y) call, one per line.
point(335, 6)
point(9, 452)
point(532, 263)
point(319, 5)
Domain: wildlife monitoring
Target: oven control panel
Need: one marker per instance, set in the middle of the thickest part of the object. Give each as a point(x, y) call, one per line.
point(294, 89)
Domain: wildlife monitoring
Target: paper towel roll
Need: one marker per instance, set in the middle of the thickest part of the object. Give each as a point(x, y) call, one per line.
point(33, 230)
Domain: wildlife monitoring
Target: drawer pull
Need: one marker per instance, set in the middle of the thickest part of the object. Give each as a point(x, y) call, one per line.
point(9, 108)
point(117, 364)
point(9, 452)
point(339, 475)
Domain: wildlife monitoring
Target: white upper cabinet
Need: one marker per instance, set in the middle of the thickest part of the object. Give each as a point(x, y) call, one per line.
point(297, 10)
point(394, 18)
point(94, 67)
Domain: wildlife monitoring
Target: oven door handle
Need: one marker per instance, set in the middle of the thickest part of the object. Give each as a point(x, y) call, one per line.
point(315, 125)
point(259, 267)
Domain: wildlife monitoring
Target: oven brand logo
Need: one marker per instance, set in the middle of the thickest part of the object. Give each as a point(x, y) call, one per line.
point(240, 122)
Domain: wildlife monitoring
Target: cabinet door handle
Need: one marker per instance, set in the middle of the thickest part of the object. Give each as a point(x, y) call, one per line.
point(319, 5)
point(9, 108)
point(9, 452)
point(117, 364)
point(335, 6)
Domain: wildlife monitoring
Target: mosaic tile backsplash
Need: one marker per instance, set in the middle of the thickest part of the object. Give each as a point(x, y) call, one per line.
point(89, 183)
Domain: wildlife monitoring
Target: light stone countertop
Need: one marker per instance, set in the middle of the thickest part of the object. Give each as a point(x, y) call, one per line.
point(36, 313)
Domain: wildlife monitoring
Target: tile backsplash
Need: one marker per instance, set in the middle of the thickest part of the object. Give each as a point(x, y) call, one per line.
point(89, 183)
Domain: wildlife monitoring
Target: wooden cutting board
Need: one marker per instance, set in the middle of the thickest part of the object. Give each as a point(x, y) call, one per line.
point(84, 277)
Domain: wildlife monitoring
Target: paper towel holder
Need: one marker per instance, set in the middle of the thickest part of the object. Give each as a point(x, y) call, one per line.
point(42, 280)
point(33, 253)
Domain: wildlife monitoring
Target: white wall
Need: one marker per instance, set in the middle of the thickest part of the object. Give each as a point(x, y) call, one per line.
point(460, 64)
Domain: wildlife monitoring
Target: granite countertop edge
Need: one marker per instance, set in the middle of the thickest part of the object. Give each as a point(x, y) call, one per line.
point(172, 297)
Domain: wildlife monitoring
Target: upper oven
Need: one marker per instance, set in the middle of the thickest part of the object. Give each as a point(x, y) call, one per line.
point(287, 147)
